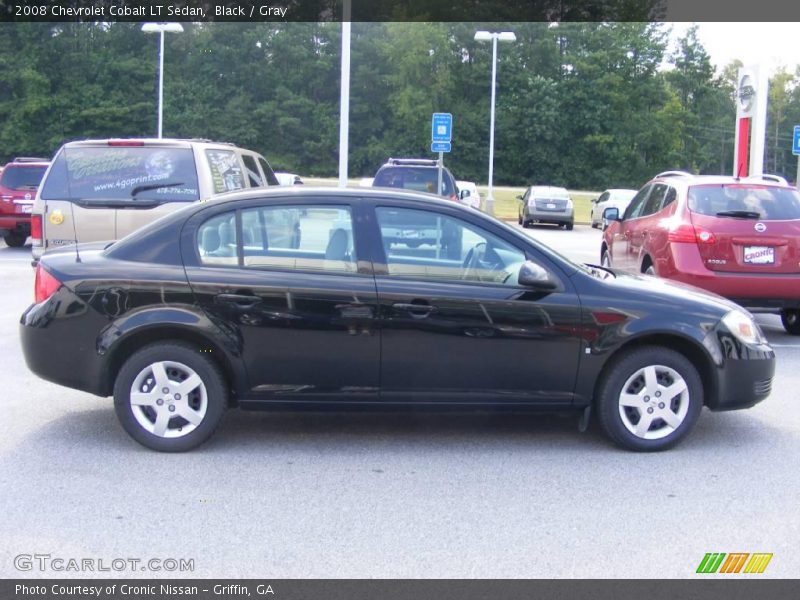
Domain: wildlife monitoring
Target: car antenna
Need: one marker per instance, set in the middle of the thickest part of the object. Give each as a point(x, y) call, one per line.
point(739, 174)
point(72, 214)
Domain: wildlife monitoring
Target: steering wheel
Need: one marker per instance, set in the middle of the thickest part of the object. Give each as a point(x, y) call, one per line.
point(473, 259)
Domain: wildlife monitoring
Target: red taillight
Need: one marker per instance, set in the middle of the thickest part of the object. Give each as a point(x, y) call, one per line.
point(36, 229)
point(125, 143)
point(45, 285)
point(686, 233)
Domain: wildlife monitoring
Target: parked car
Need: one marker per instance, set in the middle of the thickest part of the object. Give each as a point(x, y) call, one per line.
point(468, 192)
point(178, 330)
point(737, 237)
point(418, 175)
point(288, 178)
point(546, 204)
point(19, 181)
point(104, 189)
point(617, 198)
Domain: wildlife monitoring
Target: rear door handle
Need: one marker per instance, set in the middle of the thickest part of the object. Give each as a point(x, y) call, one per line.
point(418, 311)
point(240, 300)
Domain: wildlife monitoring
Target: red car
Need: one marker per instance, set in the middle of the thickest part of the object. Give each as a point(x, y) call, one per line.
point(737, 237)
point(19, 181)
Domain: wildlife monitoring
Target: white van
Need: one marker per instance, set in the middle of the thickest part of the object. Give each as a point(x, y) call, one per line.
point(98, 190)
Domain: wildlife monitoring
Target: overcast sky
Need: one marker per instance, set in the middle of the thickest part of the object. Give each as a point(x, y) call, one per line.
point(769, 44)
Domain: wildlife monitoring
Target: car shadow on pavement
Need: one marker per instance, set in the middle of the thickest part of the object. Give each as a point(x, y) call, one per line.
point(73, 435)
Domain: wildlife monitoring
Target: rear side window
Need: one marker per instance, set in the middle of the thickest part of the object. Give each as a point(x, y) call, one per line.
point(216, 240)
point(417, 179)
point(22, 178)
point(269, 174)
point(771, 203)
point(226, 172)
point(123, 173)
point(299, 238)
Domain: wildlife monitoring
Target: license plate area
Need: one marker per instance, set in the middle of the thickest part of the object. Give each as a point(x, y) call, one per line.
point(759, 255)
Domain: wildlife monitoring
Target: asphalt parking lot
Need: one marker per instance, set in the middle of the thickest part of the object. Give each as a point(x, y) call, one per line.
point(392, 495)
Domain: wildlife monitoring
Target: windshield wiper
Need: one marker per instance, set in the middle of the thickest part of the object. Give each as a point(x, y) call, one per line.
point(740, 214)
point(153, 186)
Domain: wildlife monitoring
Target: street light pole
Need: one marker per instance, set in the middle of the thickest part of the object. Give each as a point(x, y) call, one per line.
point(503, 36)
point(161, 28)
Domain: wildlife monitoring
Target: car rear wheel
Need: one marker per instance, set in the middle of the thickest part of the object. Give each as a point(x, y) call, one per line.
point(790, 317)
point(15, 240)
point(169, 397)
point(649, 399)
point(569, 226)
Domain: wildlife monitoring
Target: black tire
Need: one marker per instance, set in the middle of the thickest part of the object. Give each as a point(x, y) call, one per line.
point(215, 401)
point(569, 226)
point(790, 317)
point(15, 240)
point(519, 220)
point(625, 373)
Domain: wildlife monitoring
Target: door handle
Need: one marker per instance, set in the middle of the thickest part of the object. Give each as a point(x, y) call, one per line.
point(417, 311)
point(240, 300)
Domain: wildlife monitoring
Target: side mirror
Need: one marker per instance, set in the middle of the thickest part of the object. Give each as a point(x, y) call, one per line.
point(519, 196)
point(611, 214)
point(533, 276)
point(595, 200)
point(464, 194)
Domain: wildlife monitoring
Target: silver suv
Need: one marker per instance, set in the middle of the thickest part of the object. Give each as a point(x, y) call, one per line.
point(99, 190)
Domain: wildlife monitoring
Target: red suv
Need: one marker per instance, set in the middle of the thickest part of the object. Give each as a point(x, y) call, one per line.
point(737, 237)
point(19, 181)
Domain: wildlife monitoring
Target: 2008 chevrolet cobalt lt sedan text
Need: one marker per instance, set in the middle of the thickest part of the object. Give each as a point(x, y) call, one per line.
point(356, 298)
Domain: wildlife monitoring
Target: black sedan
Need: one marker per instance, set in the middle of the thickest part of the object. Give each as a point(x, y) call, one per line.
point(217, 306)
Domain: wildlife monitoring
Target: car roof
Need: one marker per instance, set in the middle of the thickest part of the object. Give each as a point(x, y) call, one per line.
point(330, 192)
point(679, 178)
point(548, 189)
point(173, 142)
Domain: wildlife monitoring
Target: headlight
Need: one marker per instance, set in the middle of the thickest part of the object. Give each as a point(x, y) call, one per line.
point(744, 327)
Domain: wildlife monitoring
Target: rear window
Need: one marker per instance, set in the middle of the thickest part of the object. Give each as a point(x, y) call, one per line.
point(22, 178)
point(123, 173)
point(771, 203)
point(417, 179)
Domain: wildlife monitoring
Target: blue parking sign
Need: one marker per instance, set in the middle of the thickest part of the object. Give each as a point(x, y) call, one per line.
point(796, 140)
point(441, 127)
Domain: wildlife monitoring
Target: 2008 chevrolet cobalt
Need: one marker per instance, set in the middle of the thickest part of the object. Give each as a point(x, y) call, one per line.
point(362, 298)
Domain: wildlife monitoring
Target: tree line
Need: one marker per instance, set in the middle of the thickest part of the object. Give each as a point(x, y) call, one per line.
point(583, 105)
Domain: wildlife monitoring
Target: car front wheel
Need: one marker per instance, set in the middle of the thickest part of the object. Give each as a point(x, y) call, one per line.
point(15, 240)
point(790, 317)
point(649, 399)
point(169, 397)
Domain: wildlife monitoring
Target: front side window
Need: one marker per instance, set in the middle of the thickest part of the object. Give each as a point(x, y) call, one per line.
point(301, 238)
point(251, 169)
point(423, 244)
point(745, 200)
point(635, 207)
point(151, 174)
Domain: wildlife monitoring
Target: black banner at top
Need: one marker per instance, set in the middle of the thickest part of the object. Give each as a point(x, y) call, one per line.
point(397, 10)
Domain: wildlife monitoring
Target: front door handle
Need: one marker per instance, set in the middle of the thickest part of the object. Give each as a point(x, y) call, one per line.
point(418, 311)
point(240, 300)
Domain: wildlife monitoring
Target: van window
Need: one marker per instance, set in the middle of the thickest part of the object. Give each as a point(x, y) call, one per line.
point(417, 179)
point(226, 172)
point(253, 174)
point(269, 174)
point(123, 173)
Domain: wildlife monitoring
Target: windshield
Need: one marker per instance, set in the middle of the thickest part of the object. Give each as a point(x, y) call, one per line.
point(129, 173)
point(22, 178)
point(745, 200)
point(418, 179)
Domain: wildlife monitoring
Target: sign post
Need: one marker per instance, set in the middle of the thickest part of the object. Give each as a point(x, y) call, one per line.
point(441, 137)
point(796, 152)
